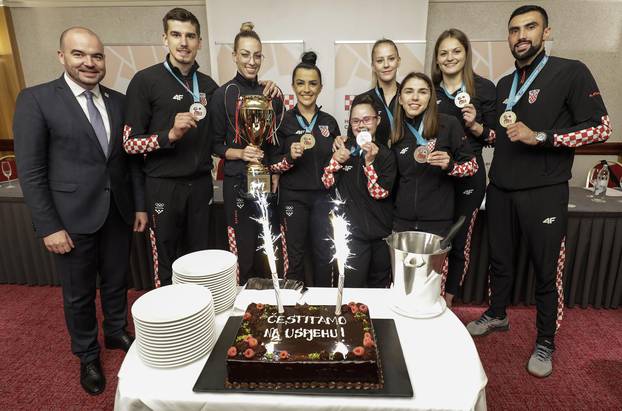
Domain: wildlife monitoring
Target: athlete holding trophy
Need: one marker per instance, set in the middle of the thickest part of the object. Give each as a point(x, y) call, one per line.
point(243, 125)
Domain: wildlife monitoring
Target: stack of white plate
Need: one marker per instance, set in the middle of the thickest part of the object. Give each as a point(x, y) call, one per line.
point(214, 269)
point(174, 325)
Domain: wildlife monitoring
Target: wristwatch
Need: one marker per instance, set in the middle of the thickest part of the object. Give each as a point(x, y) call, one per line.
point(540, 137)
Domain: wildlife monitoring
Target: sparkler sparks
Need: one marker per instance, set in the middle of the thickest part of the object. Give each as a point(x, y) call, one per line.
point(341, 235)
point(268, 240)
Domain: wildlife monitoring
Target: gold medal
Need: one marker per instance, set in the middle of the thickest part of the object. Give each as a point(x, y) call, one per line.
point(507, 118)
point(198, 111)
point(462, 99)
point(421, 154)
point(307, 141)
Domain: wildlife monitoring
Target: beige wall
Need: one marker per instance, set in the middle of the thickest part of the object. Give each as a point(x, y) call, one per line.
point(37, 31)
point(590, 31)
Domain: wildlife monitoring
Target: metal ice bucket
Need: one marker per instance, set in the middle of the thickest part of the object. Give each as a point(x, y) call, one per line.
point(417, 262)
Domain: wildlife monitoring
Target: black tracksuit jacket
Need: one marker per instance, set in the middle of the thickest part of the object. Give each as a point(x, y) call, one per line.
point(426, 192)
point(153, 99)
point(563, 101)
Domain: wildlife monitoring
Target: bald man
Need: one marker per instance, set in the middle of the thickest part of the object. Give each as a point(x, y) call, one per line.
point(84, 193)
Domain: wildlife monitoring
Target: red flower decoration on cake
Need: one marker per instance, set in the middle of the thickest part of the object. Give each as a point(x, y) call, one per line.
point(283, 355)
point(249, 353)
point(260, 306)
point(363, 308)
point(359, 351)
point(247, 316)
point(367, 335)
point(232, 352)
point(252, 342)
point(368, 342)
point(354, 309)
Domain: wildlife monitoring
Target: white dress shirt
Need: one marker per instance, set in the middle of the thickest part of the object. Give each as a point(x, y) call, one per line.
point(98, 100)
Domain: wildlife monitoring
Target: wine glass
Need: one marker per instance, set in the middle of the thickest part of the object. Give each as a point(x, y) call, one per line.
point(7, 170)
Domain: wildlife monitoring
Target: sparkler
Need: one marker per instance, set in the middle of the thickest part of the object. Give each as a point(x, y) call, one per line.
point(268, 241)
point(341, 235)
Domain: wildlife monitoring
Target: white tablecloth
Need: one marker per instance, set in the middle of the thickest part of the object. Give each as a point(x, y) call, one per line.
point(443, 364)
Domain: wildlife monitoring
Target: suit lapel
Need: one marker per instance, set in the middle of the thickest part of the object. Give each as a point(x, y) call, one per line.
point(74, 107)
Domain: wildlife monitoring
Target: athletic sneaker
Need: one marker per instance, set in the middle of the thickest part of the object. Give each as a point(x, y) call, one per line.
point(541, 361)
point(487, 324)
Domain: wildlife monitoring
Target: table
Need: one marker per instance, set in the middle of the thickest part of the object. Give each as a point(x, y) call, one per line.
point(593, 274)
point(442, 362)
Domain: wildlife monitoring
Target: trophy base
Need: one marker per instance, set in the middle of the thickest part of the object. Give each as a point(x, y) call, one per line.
point(257, 179)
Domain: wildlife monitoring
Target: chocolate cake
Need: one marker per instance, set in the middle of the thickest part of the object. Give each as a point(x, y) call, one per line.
point(308, 346)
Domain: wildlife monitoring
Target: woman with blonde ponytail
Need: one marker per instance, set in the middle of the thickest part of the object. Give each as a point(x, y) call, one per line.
point(240, 211)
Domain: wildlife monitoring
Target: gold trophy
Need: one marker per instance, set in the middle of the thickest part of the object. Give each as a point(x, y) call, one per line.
point(255, 118)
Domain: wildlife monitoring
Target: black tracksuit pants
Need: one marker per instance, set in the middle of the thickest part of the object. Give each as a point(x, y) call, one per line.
point(243, 232)
point(369, 264)
point(469, 193)
point(304, 216)
point(540, 215)
point(179, 216)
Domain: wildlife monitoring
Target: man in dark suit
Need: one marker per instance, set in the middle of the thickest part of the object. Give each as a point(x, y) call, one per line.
point(77, 182)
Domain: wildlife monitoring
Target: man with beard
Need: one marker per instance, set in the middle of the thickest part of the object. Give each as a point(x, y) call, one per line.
point(166, 120)
point(76, 182)
point(561, 108)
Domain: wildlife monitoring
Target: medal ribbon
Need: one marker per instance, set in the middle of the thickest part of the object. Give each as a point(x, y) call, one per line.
point(514, 97)
point(195, 83)
point(309, 128)
point(386, 108)
point(448, 94)
point(418, 133)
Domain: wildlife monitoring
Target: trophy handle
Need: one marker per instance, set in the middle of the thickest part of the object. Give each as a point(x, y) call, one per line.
point(273, 134)
point(236, 102)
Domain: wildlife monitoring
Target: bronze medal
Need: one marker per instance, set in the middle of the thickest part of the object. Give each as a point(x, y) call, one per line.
point(421, 154)
point(507, 118)
point(307, 141)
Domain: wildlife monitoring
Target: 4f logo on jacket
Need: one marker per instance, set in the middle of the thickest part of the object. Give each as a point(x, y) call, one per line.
point(549, 220)
point(178, 97)
point(533, 95)
point(158, 208)
point(468, 192)
point(404, 150)
point(347, 168)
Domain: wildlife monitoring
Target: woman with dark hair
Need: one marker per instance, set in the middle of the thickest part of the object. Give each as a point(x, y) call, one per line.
point(470, 99)
point(385, 60)
point(363, 174)
point(305, 146)
point(242, 230)
point(430, 153)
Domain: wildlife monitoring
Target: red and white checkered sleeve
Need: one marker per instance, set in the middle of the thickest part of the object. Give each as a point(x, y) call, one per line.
point(139, 145)
point(328, 178)
point(375, 189)
point(466, 169)
point(281, 166)
point(590, 135)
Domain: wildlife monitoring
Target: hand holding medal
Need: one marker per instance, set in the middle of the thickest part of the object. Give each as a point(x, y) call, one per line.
point(183, 123)
point(439, 159)
point(296, 150)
